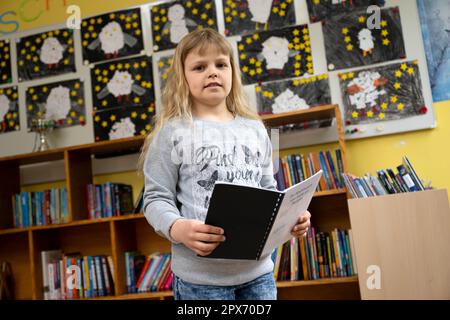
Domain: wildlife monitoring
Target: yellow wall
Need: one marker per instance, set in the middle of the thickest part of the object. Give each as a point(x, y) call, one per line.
point(21, 15)
point(428, 150)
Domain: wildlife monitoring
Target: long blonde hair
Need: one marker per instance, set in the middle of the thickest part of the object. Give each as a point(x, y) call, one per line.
point(176, 100)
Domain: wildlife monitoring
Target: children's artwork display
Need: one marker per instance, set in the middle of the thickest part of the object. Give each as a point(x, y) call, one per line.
point(243, 17)
point(321, 9)
point(164, 65)
point(275, 54)
point(62, 102)
point(123, 97)
point(171, 21)
point(435, 23)
point(45, 54)
point(122, 122)
point(293, 94)
point(349, 42)
point(112, 35)
point(389, 92)
point(9, 110)
point(5, 62)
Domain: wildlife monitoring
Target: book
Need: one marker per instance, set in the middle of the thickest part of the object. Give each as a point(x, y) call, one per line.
point(256, 220)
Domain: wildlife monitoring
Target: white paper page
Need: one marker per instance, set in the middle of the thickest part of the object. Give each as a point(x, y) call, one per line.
point(296, 200)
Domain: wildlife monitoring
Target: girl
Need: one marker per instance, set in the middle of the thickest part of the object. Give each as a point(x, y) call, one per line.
point(206, 132)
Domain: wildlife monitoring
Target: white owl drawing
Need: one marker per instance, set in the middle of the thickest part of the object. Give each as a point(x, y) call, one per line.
point(58, 103)
point(260, 10)
point(123, 129)
point(276, 52)
point(112, 39)
point(121, 85)
point(4, 107)
point(177, 23)
point(365, 40)
point(51, 52)
point(364, 89)
point(288, 101)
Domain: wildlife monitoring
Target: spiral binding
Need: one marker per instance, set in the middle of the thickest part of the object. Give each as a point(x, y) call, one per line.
point(269, 226)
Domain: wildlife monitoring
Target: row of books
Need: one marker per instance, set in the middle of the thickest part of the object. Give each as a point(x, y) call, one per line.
point(318, 255)
point(109, 200)
point(40, 208)
point(148, 273)
point(385, 182)
point(294, 168)
point(73, 276)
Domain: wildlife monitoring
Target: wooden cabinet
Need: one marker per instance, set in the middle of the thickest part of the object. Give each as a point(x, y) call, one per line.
point(402, 244)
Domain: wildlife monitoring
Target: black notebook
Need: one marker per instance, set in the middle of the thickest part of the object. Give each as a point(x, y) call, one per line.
point(256, 220)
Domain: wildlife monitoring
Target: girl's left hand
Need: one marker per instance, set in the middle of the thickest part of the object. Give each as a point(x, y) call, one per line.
point(302, 225)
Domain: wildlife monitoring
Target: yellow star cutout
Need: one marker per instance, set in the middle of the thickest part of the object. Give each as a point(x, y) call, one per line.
point(112, 118)
point(394, 99)
point(347, 39)
point(351, 75)
point(404, 66)
point(362, 19)
point(384, 33)
point(350, 47)
point(295, 82)
point(397, 85)
point(354, 114)
point(370, 114)
point(383, 23)
point(386, 42)
point(411, 71)
point(345, 30)
point(398, 73)
point(381, 116)
point(104, 124)
point(252, 60)
point(134, 114)
point(400, 106)
point(384, 106)
point(296, 32)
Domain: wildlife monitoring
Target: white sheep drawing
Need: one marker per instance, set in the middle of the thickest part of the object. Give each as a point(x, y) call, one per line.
point(122, 129)
point(51, 52)
point(288, 101)
point(260, 10)
point(58, 103)
point(4, 107)
point(112, 39)
point(178, 23)
point(365, 40)
point(121, 85)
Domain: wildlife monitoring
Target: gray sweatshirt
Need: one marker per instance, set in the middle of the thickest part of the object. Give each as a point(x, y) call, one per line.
point(183, 162)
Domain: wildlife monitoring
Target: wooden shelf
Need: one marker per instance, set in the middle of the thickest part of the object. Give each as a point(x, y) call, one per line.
point(315, 113)
point(319, 282)
point(113, 236)
point(73, 223)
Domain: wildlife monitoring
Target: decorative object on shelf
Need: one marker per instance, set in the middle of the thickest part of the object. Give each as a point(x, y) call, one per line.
point(173, 20)
point(9, 110)
point(350, 42)
point(390, 92)
point(276, 54)
point(112, 35)
point(5, 62)
point(42, 127)
point(243, 17)
point(6, 281)
point(46, 54)
point(435, 23)
point(61, 101)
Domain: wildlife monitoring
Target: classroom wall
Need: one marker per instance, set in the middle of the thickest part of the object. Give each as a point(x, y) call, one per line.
point(427, 149)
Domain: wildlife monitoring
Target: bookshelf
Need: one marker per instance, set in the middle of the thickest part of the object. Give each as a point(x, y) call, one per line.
point(113, 236)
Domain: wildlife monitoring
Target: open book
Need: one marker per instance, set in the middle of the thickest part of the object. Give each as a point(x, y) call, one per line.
point(256, 220)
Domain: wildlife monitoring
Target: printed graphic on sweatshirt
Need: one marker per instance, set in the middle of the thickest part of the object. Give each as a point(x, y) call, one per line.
point(236, 155)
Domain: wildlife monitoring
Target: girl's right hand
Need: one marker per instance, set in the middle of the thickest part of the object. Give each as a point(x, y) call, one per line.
point(197, 236)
